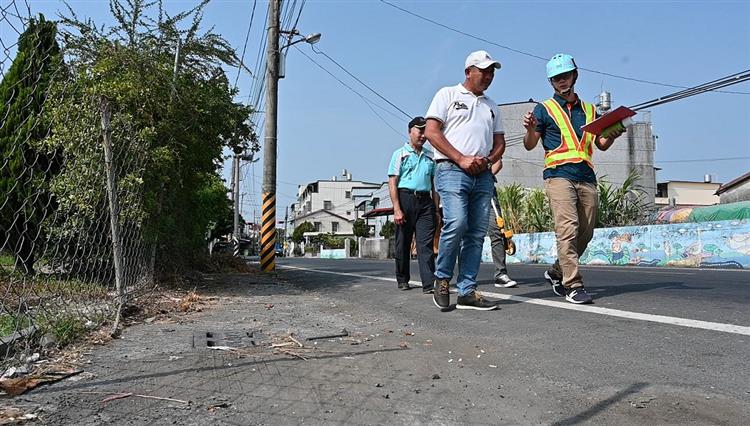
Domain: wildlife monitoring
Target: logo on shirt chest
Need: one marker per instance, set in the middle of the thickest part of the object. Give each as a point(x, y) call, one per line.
point(458, 105)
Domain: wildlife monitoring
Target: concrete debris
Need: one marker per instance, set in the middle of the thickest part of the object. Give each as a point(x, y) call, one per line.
point(641, 402)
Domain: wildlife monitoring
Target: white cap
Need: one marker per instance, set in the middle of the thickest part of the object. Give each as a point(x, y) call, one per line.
point(481, 59)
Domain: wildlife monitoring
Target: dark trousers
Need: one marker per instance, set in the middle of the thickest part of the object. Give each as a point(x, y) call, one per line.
point(419, 219)
point(498, 246)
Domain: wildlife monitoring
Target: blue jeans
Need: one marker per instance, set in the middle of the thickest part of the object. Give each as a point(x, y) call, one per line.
point(466, 204)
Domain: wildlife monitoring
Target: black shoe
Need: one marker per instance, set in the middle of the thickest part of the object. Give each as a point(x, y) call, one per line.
point(556, 283)
point(428, 290)
point(474, 301)
point(578, 296)
point(403, 286)
point(441, 295)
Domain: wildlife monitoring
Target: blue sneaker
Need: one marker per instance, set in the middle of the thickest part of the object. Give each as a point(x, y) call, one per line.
point(578, 296)
point(556, 283)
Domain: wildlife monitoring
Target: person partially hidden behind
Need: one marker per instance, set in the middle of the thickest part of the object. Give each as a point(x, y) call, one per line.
point(497, 243)
point(410, 176)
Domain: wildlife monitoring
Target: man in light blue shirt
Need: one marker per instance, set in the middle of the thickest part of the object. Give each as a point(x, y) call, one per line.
point(410, 177)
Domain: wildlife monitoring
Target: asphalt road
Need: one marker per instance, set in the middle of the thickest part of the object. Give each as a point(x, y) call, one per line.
point(676, 338)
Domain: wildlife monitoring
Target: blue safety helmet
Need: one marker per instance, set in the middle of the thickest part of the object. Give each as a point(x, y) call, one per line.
point(560, 63)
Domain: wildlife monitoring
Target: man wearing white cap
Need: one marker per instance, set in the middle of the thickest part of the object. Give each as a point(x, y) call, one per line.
point(465, 128)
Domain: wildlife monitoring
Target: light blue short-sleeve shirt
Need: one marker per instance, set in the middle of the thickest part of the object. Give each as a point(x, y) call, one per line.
point(414, 170)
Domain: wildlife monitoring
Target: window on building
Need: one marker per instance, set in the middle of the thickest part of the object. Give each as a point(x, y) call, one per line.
point(308, 206)
point(334, 227)
point(318, 226)
point(348, 212)
point(348, 194)
point(327, 205)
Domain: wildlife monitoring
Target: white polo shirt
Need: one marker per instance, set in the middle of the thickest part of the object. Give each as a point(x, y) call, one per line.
point(469, 121)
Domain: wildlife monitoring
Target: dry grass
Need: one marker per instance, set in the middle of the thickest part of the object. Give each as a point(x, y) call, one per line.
point(191, 302)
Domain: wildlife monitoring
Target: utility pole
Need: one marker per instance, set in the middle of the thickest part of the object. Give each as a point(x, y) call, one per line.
point(268, 216)
point(286, 219)
point(236, 203)
point(256, 233)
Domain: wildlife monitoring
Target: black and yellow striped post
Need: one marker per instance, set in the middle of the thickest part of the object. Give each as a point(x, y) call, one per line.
point(268, 233)
point(268, 216)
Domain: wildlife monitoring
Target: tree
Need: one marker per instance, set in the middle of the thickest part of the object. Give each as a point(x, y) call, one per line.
point(360, 228)
point(388, 230)
point(298, 234)
point(25, 168)
point(169, 130)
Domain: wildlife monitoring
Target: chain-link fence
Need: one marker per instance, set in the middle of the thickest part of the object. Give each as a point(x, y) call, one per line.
point(72, 252)
point(111, 141)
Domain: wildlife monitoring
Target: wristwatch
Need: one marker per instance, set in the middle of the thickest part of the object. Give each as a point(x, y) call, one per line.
point(489, 163)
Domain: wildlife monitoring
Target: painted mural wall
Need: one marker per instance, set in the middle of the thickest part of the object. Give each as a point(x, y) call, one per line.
point(724, 244)
point(333, 253)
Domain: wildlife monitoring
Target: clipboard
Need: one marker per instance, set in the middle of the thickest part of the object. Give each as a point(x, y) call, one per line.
point(608, 120)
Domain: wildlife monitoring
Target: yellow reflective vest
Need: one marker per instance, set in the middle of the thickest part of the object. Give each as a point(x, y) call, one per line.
point(570, 150)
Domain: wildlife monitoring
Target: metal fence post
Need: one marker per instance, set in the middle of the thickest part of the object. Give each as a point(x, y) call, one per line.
point(114, 210)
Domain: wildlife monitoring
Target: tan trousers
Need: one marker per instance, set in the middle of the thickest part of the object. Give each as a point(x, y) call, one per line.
point(573, 207)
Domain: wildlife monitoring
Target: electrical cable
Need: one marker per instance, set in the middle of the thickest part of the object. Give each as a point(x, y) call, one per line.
point(521, 52)
point(367, 101)
point(700, 160)
point(696, 90)
point(244, 47)
point(320, 52)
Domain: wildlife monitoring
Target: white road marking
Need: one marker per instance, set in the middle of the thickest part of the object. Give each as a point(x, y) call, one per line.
point(663, 319)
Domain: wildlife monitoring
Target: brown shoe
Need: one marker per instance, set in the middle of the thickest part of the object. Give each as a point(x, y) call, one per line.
point(474, 301)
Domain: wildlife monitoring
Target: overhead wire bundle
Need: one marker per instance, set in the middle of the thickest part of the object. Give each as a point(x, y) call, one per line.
point(711, 86)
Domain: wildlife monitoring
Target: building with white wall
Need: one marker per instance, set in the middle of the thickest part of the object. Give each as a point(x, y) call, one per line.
point(687, 193)
point(329, 204)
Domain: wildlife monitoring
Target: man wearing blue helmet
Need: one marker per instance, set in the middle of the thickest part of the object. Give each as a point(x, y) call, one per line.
point(569, 178)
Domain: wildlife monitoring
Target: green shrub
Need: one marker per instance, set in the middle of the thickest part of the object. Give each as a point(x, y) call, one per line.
point(512, 203)
point(528, 210)
point(388, 230)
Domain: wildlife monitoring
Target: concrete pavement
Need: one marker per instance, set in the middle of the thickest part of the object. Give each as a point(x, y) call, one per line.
point(404, 362)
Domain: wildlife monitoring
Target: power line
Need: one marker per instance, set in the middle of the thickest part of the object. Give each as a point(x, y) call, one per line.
point(256, 88)
point(367, 101)
point(702, 160)
point(301, 7)
point(696, 90)
point(350, 88)
point(320, 52)
point(521, 52)
point(244, 47)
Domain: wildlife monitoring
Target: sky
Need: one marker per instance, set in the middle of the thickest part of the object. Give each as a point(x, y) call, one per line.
point(324, 127)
